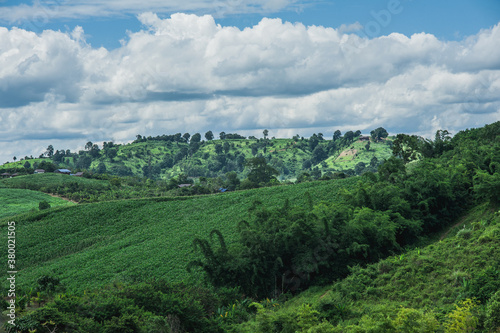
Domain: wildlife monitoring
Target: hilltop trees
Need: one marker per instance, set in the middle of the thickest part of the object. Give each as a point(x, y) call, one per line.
point(50, 151)
point(379, 133)
point(209, 136)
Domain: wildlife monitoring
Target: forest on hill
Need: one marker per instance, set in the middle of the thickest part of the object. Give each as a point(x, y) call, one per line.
point(410, 246)
point(167, 156)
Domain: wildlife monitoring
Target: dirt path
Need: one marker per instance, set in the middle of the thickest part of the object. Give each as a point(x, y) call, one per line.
point(462, 221)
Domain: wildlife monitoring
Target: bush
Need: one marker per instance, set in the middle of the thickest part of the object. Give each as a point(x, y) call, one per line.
point(492, 323)
point(43, 205)
point(411, 320)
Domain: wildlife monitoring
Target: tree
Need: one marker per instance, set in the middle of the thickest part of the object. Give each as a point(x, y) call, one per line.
point(186, 137)
point(260, 171)
point(94, 151)
point(50, 151)
point(89, 144)
point(337, 135)
point(43, 205)
point(27, 165)
point(101, 168)
point(367, 146)
point(226, 147)
point(379, 133)
point(209, 136)
point(222, 135)
point(218, 149)
point(266, 133)
point(14, 158)
point(196, 138)
point(318, 154)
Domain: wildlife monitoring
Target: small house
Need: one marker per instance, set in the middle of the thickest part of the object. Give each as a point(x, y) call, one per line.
point(184, 185)
point(5, 175)
point(78, 174)
point(39, 171)
point(364, 138)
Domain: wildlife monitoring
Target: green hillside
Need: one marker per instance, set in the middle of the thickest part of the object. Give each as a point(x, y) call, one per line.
point(412, 292)
point(18, 201)
point(166, 156)
point(92, 244)
point(413, 247)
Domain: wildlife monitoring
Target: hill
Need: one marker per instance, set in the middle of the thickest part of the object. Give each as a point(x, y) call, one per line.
point(167, 156)
point(92, 244)
point(343, 258)
point(428, 289)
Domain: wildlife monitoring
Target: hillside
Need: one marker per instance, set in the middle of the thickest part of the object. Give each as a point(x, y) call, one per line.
point(164, 157)
point(92, 244)
point(18, 201)
point(413, 247)
point(411, 292)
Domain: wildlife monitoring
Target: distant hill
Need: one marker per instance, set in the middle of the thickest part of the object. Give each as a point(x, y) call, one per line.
point(164, 157)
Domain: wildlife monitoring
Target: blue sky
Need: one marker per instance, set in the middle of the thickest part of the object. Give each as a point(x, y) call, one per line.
point(450, 20)
point(74, 71)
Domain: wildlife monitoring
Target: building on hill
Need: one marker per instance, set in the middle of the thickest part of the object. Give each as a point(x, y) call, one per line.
point(39, 171)
point(63, 171)
point(78, 174)
point(364, 138)
point(184, 185)
point(5, 175)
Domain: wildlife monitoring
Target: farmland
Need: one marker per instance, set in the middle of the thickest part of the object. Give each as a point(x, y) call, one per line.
point(92, 244)
point(18, 201)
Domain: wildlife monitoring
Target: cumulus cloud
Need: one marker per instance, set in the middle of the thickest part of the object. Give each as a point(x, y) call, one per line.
point(187, 73)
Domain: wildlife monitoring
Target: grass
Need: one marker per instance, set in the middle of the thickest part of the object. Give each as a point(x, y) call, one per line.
point(48, 179)
point(380, 150)
point(90, 245)
point(18, 201)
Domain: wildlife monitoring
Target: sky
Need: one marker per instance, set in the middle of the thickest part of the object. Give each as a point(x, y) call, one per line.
point(78, 71)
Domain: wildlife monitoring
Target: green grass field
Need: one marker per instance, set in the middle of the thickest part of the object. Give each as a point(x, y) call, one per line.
point(48, 179)
point(18, 201)
point(90, 245)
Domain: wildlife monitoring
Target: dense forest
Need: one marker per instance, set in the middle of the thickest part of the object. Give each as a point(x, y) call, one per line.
point(408, 244)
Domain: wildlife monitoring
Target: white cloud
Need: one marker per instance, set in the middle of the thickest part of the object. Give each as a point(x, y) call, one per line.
point(188, 74)
point(44, 11)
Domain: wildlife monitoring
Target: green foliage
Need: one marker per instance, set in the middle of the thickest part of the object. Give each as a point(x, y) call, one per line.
point(463, 318)
point(43, 205)
point(492, 322)
point(415, 321)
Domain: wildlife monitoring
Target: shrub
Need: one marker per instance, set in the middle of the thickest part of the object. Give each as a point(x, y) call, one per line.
point(464, 233)
point(43, 205)
point(492, 322)
point(411, 320)
point(462, 319)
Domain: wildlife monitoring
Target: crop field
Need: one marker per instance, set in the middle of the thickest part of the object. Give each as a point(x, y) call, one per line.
point(47, 179)
point(18, 201)
point(90, 245)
